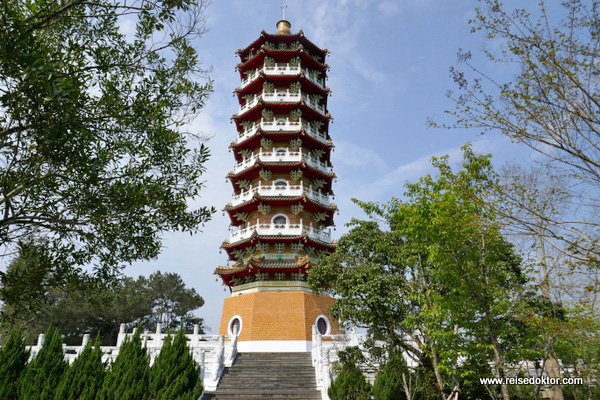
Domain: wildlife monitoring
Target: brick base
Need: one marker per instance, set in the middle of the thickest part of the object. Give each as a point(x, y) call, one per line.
point(274, 315)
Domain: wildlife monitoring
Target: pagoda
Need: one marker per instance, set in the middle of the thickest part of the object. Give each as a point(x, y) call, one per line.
point(282, 182)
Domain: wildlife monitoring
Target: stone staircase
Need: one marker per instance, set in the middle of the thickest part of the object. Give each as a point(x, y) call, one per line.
point(268, 376)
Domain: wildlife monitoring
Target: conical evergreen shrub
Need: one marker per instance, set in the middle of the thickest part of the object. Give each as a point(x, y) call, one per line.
point(13, 357)
point(43, 374)
point(388, 384)
point(174, 375)
point(84, 378)
point(128, 377)
point(350, 384)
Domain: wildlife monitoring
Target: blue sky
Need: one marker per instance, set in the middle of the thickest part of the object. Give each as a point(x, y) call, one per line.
point(389, 72)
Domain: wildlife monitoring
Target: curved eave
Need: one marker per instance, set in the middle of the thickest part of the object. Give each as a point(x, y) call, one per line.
point(280, 201)
point(256, 85)
point(257, 60)
point(253, 142)
point(227, 274)
point(325, 128)
point(280, 167)
point(310, 173)
point(252, 240)
point(264, 37)
point(283, 107)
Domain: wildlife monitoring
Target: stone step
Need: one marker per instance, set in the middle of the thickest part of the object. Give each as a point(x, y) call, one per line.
point(268, 376)
point(214, 396)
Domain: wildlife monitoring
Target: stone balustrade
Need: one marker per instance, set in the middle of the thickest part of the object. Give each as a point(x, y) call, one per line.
point(284, 125)
point(289, 190)
point(211, 352)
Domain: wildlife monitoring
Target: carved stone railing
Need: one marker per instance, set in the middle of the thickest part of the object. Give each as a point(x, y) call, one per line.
point(324, 352)
point(285, 125)
point(211, 352)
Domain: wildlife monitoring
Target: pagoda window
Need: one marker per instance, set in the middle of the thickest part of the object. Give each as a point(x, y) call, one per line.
point(280, 184)
point(280, 220)
point(281, 121)
point(280, 152)
point(323, 325)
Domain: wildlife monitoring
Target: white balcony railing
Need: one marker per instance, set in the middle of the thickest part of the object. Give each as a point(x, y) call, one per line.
point(281, 96)
point(280, 125)
point(284, 69)
point(315, 106)
point(281, 229)
point(278, 96)
point(289, 190)
point(287, 155)
point(284, 125)
point(314, 78)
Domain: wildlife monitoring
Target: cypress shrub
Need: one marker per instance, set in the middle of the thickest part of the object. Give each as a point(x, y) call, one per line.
point(388, 383)
point(174, 374)
point(13, 358)
point(128, 377)
point(84, 378)
point(350, 384)
point(43, 374)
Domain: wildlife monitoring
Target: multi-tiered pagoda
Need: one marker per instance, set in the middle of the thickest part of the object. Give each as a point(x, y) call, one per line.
point(281, 208)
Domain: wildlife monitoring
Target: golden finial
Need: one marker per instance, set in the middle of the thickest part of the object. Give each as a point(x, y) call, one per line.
point(283, 26)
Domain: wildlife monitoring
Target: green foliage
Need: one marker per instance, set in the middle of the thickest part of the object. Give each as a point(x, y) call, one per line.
point(550, 104)
point(388, 383)
point(43, 374)
point(162, 297)
point(96, 162)
point(437, 280)
point(129, 376)
point(174, 374)
point(84, 378)
point(13, 357)
point(350, 384)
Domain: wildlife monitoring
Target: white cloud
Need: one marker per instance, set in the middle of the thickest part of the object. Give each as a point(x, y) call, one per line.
point(349, 154)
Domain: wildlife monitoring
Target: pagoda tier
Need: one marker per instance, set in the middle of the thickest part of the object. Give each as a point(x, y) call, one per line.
point(281, 211)
point(277, 42)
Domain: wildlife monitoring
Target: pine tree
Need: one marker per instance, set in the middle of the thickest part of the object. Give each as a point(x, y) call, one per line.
point(13, 357)
point(175, 375)
point(128, 377)
point(43, 374)
point(84, 378)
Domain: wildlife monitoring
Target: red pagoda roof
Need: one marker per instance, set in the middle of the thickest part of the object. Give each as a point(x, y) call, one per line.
point(264, 37)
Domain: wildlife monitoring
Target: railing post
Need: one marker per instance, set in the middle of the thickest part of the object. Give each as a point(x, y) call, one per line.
point(326, 373)
point(157, 342)
point(84, 342)
point(195, 338)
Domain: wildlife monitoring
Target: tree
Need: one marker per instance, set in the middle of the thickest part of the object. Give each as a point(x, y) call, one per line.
point(438, 281)
point(129, 375)
point(145, 301)
point(96, 161)
point(44, 372)
point(84, 378)
point(552, 105)
point(13, 358)
point(350, 383)
point(393, 381)
point(171, 302)
point(174, 374)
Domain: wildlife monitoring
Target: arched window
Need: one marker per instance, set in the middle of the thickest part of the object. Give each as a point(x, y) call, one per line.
point(280, 184)
point(281, 121)
point(280, 220)
point(280, 151)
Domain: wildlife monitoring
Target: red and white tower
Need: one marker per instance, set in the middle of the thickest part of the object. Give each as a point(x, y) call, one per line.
point(281, 210)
